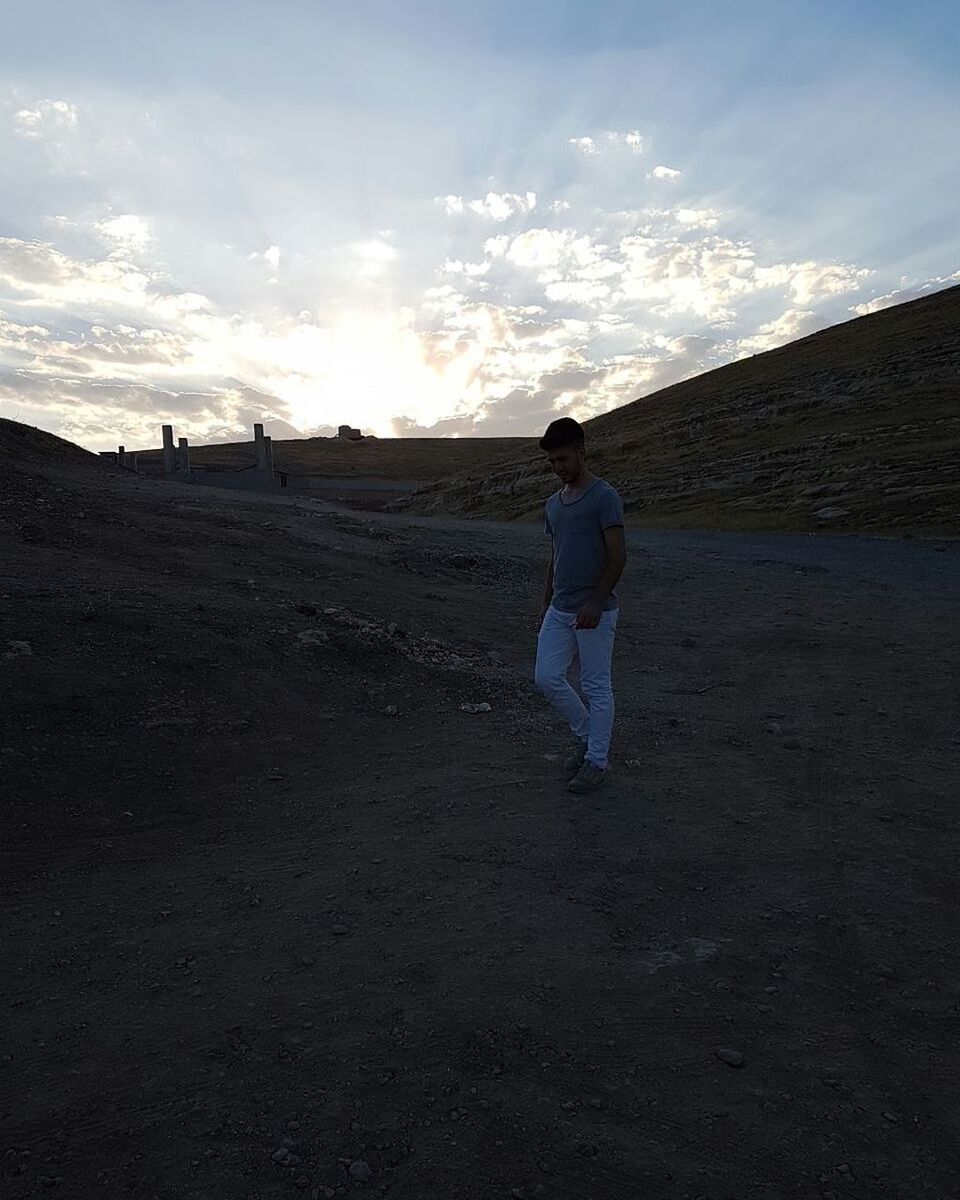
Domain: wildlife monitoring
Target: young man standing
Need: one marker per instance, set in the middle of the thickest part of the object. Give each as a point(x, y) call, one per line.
point(584, 521)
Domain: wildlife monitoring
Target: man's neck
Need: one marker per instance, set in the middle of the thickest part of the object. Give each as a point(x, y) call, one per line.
point(580, 484)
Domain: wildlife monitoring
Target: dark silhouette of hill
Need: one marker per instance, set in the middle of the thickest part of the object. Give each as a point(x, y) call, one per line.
point(26, 444)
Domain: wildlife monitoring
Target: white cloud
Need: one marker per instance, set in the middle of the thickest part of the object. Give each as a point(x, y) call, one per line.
point(455, 266)
point(812, 281)
point(502, 206)
point(376, 256)
point(271, 256)
point(662, 172)
point(496, 206)
point(633, 140)
point(662, 362)
point(374, 250)
point(47, 116)
point(790, 325)
point(543, 248)
point(708, 275)
point(578, 291)
point(101, 413)
point(496, 247)
point(126, 234)
point(444, 298)
point(904, 293)
point(677, 264)
point(39, 349)
point(703, 218)
point(40, 274)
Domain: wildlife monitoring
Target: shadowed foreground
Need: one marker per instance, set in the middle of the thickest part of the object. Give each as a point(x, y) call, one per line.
point(281, 919)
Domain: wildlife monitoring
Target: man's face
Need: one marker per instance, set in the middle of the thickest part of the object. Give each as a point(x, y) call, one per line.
point(567, 462)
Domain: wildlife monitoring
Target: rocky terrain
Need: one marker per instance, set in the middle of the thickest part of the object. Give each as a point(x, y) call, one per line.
point(295, 905)
point(856, 428)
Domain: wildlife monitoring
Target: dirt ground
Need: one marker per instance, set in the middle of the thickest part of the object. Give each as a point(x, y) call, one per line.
point(281, 919)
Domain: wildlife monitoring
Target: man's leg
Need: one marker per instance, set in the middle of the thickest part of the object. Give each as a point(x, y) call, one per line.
point(556, 647)
point(596, 653)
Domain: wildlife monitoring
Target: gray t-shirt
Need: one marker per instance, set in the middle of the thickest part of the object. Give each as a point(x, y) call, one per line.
point(579, 551)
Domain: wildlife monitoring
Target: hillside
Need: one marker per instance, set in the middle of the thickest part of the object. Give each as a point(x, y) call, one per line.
point(373, 458)
point(25, 444)
point(855, 428)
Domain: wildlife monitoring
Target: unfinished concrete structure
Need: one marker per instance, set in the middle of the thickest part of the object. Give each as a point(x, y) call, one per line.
point(259, 476)
point(169, 454)
point(122, 458)
point(347, 433)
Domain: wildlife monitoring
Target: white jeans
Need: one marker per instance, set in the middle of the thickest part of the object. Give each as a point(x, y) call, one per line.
point(559, 642)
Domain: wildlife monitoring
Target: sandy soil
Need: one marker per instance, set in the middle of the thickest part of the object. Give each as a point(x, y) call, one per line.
point(281, 919)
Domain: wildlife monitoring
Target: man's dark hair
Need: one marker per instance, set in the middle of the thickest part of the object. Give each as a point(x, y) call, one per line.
point(563, 432)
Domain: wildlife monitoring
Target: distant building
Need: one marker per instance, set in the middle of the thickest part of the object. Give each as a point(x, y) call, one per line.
point(347, 434)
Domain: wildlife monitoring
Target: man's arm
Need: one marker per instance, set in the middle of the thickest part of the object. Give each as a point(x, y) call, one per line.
point(547, 588)
point(616, 544)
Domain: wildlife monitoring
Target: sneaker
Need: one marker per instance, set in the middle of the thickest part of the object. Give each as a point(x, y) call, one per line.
point(576, 760)
point(587, 779)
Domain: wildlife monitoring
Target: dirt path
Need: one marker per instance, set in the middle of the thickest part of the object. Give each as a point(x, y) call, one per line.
point(274, 906)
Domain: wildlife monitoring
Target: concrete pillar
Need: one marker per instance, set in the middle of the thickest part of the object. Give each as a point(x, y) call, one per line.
point(133, 462)
point(169, 454)
point(183, 458)
point(121, 454)
point(260, 448)
point(268, 459)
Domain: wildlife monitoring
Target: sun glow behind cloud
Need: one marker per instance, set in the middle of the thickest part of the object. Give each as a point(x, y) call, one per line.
point(470, 263)
point(365, 362)
point(466, 357)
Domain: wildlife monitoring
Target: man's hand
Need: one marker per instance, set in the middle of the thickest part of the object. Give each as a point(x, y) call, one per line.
point(589, 616)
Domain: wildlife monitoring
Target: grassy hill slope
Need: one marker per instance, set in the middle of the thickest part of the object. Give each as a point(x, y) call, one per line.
point(855, 428)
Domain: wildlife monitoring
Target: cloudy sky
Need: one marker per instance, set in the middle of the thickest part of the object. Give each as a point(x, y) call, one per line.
point(455, 218)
